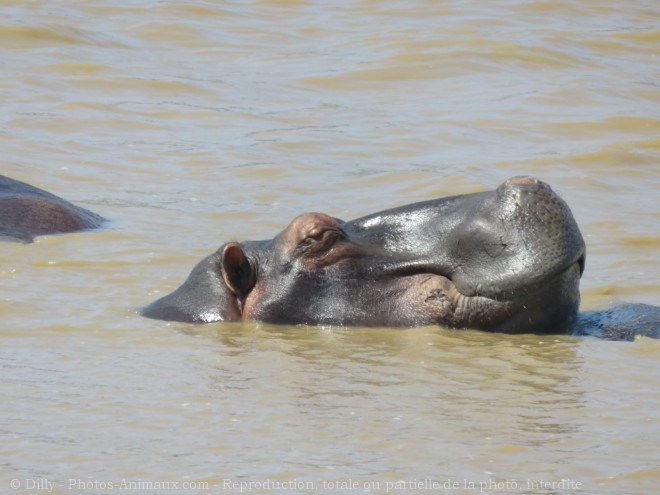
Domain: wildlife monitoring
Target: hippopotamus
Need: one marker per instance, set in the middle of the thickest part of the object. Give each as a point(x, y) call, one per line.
point(506, 260)
point(27, 211)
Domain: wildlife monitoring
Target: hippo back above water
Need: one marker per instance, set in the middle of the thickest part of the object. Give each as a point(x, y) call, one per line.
point(27, 211)
point(506, 260)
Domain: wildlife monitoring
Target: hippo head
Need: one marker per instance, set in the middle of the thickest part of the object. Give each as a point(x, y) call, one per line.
point(504, 260)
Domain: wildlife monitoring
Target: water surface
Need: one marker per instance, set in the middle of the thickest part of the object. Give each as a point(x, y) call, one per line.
point(190, 125)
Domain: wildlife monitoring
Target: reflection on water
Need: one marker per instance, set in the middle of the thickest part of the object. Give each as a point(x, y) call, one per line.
point(191, 125)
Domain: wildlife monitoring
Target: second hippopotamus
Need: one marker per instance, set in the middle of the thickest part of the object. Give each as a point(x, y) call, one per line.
point(27, 211)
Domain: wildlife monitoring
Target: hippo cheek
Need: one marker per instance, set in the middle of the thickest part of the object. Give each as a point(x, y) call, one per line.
point(434, 299)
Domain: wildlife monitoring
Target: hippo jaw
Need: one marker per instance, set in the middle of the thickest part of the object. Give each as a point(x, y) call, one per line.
point(533, 259)
point(545, 308)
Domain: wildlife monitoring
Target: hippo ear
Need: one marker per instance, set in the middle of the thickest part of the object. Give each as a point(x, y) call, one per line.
point(237, 271)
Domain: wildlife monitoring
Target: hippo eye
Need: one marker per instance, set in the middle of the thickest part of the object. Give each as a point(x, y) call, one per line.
point(319, 241)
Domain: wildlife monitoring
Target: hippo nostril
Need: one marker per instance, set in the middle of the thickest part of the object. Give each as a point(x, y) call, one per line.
point(523, 180)
point(517, 188)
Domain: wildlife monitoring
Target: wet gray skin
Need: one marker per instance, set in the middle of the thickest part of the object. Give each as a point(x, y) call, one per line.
point(27, 211)
point(505, 260)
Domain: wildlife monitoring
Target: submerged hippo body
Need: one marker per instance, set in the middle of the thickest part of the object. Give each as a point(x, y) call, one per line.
point(505, 260)
point(27, 211)
point(621, 322)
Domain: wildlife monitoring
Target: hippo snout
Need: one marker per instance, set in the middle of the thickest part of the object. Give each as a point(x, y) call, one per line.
point(514, 240)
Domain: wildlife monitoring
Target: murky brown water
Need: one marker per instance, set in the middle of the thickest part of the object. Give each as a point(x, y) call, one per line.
point(192, 123)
